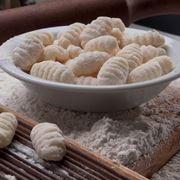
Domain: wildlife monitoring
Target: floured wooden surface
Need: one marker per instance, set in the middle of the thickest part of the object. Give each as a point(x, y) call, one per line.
point(130, 137)
point(171, 171)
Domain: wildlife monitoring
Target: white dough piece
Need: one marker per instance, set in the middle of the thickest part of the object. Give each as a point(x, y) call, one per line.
point(165, 62)
point(74, 51)
point(150, 52)
point(153, 38)
point(86, 80)
point(99, 27)
point(105, 43)
point(48, 141)
point(113, 72)
point(70, 36)
point(144, 72)
point(27, 53)
point(56, 53)
point(53, 71)
point(88, 63)
point(132, 54)
point(8, 125)
point(45, 37)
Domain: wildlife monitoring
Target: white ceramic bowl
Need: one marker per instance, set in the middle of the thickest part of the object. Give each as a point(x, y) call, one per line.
point(91, 98)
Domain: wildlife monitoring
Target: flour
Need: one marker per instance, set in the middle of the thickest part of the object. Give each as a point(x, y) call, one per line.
point(9, 177)
point(124, 137)
point(171, 171)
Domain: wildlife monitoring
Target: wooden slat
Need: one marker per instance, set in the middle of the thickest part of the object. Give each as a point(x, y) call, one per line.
point(79, 162)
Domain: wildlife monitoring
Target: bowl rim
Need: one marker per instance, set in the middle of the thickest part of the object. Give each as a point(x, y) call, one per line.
point(14, 71)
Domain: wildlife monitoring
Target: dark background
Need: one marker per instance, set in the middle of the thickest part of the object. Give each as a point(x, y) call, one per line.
point(168, 23)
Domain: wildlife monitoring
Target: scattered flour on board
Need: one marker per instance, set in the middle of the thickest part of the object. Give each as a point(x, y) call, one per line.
point(123, 137)
point(171, 171)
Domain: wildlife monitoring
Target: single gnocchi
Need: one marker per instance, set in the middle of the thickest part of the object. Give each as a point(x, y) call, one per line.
point(165, 62)
point(27, 53)
point(56, 53)
point(113, 72)
point(88, 63)
point(48, 141)
point(8, 125)
point(86, 80)
point(153, 38)
point(53, 71)
point(71, 36)
point(105, 43)
point(99, 27)
point(74, 51)
point(132, 54)
point(144, 72)
point(45, 37)
point(150, 52)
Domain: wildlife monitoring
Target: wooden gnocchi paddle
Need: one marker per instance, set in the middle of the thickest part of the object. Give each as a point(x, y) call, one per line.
point(55, 13)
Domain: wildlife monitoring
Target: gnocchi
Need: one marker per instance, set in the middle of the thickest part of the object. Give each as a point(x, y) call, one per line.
point(55, 53)
point(99, 53)
point(150, 52)
point(27, 53)
point(48, 141)
point(74, 51)
point(153, 38)
point(86, 80)
point(71, 36)
point(99, 27)
point(113, 72)
point(165, 62)
point(53, 71)
point(144, 72)
point(88, 63)
point(8, 125)
point(46, 38)
point(105, 43)
point(132, 54)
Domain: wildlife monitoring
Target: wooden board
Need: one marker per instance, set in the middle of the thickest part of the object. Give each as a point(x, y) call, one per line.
point(79, 163)
point(169, 146)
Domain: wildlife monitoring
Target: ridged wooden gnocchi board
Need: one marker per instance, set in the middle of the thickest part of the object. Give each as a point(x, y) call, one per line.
point(20, 160)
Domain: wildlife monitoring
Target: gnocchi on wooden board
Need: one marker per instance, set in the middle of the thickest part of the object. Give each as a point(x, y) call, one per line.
point(96, 54)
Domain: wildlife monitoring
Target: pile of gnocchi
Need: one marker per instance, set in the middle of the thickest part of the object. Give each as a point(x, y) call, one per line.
point(99, 53)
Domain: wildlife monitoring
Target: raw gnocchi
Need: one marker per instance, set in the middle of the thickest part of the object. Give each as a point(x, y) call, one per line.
point(99, 27)
point(88, 63)
point(46, 38)
point(144, 72)
point(105, 43)
point(48, 141)
point(165, 62)
point(53, 71)
point(55, 53)
point(27, 53)
point(8, 125)
point(99, 53)
point(86, 80)
point(74, 51)
point(132, 54)
point(150, 52)
point(70, 36)
point(113, 72)
point(153, 38)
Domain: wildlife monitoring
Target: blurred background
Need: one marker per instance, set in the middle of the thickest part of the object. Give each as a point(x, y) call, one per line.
point(168, 23)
